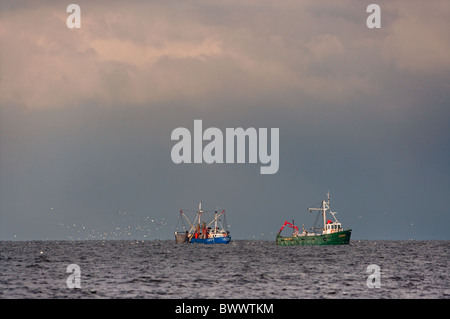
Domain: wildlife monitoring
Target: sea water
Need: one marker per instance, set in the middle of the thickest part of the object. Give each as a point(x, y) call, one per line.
point(241, 269)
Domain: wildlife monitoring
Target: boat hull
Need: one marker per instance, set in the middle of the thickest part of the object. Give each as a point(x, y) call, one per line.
point(339, 238)
point(214, 240)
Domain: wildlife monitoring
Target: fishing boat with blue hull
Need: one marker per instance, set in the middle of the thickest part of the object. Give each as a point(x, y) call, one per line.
point(215, 240)
point(203, 230)
point(331, 232)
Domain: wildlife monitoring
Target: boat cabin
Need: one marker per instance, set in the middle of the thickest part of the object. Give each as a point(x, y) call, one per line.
point(332, 227)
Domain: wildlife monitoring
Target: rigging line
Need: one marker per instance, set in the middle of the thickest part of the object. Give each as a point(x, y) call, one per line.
point(316, 221)
point(178, 222)
point(316, 204)
point(225, 221)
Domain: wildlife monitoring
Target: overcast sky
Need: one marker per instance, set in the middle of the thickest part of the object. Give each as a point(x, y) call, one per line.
point(86, 115)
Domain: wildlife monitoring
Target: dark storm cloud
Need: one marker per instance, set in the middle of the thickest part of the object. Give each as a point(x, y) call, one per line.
point(86, 115)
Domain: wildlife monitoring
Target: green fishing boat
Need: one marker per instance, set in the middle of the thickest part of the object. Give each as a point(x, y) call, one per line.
point(331, 232)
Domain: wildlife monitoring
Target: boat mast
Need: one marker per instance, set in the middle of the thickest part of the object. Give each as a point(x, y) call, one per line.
point(328, 207)
point(215, 219)
point(325, 206)
point(328, 197)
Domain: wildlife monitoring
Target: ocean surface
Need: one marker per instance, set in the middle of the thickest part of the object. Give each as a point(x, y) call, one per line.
point(241, 269)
